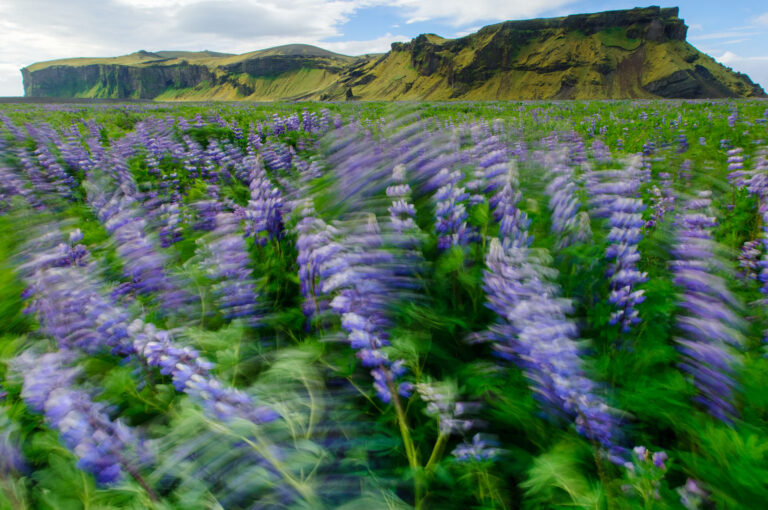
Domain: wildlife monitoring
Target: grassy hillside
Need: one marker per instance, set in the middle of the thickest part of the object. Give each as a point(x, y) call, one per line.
point(637, 53)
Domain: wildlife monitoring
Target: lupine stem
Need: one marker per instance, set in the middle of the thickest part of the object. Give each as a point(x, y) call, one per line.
point(410, 449)
point(262, 448)
point(437, 451)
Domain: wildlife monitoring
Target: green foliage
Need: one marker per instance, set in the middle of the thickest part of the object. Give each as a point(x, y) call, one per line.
point(337, 445)
point(556, 479)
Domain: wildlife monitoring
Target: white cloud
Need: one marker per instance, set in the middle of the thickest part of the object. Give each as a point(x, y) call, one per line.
point(462, 33)
point(762, 19)
point(462, 12)
point(725, 35)
point(379, 45)
point(755, 67)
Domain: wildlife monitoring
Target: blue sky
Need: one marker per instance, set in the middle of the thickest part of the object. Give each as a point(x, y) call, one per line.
point(736, 33)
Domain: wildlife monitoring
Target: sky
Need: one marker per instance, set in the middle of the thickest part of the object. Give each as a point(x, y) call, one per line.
point(735, 32)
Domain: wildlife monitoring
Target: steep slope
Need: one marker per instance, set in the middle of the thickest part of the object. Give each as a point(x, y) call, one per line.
point(637, 53)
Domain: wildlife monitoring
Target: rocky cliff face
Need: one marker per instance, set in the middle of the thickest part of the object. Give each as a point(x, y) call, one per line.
point(112, 80)
point(637, 53)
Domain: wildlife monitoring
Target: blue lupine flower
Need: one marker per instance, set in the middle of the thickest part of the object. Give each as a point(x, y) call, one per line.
point(226, 263)
point(191, 374)
point(364, 278)
point(479, 449)
point(263, 214)
point(567, 224)
point(614, 198)
point(450, 213)
point(534, 332)
point(103, 446)
point(710, 331)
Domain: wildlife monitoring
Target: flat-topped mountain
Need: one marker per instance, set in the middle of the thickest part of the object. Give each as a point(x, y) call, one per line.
point(637, 53)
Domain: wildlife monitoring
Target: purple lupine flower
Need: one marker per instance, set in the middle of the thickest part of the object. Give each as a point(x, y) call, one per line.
point(264, 212)
point(709, 330)
point(277, 156)
point(615, 198)
point(662, 201)
point(479, 449)
point(12, 184)
point(692, 496)
point(749, 260)
point(684, 174)
point(442, 405)
point(72, 151)
point(567, 225)
point(207, 210)
point(169, 218)
point(68, 302)
point(191, 374)
point(402, 212)
point(600, 151)
point(143, 264)
point(534, 332)
point(513, 222)
point(103, 446)
point(226, 263)
point(44, 184)
point(362, 274)
point(315, 249)
point(450, 213)
point(735, 159)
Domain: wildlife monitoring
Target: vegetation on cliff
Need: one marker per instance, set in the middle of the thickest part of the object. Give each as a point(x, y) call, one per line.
point(637, 53)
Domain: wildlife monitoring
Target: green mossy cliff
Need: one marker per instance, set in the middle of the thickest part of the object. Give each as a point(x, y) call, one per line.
point(637, 53)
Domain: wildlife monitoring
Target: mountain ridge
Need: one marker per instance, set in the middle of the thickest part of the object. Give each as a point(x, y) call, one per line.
point(635, 53)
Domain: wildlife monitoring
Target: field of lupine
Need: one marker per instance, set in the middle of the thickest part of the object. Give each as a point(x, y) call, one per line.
point(365, 306)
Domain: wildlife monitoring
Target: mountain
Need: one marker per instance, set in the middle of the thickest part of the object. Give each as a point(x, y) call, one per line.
point(637, 53)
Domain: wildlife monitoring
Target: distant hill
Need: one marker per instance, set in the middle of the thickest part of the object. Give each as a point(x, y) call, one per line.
point(637, 53)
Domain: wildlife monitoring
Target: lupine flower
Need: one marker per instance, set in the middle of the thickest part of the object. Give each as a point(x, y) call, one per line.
point(534, 332)
point(564, 205)
point(441, 405)
point(191, 374)
point(513, 223)
point(450, 213)
point(226, 263)
point(645, 472)
point(315, 248)
point(68, 302)
point(749, 260)
point(692, 496)
point(662, 201)
point(170, 220)
point(709, 330)
point(103, 446)
point(402, 213)
point(735, 159)
point(615, 199)
point(479, 449)
point(362, 275)
point(263, 214)
point(600, 151)
point(143, 263)
point(207, 210)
